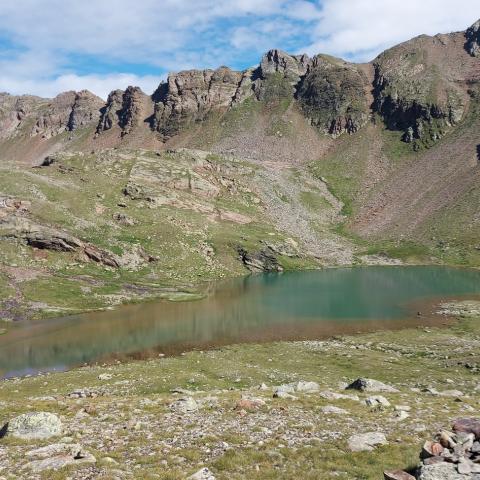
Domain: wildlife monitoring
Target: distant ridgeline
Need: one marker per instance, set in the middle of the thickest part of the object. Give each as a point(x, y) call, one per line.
point(421, 88)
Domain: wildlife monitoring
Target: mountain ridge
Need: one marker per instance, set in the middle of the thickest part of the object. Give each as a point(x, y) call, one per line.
point(328, 90)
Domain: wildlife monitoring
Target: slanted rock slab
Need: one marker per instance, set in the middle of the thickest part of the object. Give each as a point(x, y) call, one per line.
point(397, 475)
point(57, 456)
point(467, 425)
point(370, 385)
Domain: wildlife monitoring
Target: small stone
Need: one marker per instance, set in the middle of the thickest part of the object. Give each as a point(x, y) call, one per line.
point(376, 401)
point(366, 442)
point(203, 474)
point(105, 376)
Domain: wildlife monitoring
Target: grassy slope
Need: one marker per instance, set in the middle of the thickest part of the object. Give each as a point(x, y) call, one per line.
point(81, 194)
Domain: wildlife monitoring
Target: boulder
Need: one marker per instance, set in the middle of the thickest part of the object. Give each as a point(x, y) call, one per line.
point(467, 425)
point(262, 261)
point(377, 401)
point(441, 471)
point(366, 442)
point(370, 385)
point(307, 387)
point(35, 425)
point(397, 475)
point(328, 395)
point(184, 405)
point(203, 474)
point(284, 391)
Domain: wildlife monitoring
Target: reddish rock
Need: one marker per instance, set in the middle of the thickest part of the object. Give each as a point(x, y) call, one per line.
point(467, 425)
point(245, 404)
point(437, 449)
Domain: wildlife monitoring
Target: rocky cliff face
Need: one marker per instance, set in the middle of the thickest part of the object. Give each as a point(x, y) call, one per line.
point(418, 91)
point(332, 96)
point(67, 112)
point(188, 97)
point(34, 116)
point(125, 109)
point(278, 75)
point(473, 39)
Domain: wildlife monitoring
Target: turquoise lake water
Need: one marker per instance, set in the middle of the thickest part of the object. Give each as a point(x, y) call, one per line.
point(258, 308)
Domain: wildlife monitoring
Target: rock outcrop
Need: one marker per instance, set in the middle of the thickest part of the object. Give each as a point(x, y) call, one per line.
point(473, 39)
point(278, 75)
point(292, 67)
point(125, 109)
point(66, 112)
point(332, 96)
point(189, 97)
point(261, 261)
point(415, 93)
point(46, 238)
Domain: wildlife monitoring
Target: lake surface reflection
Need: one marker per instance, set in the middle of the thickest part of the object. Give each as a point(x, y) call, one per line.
point(300, 305)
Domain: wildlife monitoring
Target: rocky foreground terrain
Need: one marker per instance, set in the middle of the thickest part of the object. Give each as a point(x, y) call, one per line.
point(350, 407)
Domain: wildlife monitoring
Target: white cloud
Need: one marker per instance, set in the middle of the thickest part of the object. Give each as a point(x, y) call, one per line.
point(363, 28)
point(56, 45)
point(101, 85)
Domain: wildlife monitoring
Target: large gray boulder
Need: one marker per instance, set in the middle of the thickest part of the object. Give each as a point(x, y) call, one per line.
point(441, 471)
point(33, 426)
point(370, 385)
point(366, 442)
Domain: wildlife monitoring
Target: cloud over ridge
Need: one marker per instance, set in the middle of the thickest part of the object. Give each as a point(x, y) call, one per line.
point(56, 45)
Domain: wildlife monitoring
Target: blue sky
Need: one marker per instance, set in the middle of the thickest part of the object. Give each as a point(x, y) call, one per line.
point(49, 46)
